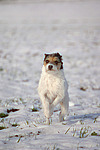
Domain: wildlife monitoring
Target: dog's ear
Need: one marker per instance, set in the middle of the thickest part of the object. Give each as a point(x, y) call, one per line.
point(46, 55)
point(60, 57)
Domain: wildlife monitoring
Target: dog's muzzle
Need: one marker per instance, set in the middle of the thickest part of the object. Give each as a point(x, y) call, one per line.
point(51, 67)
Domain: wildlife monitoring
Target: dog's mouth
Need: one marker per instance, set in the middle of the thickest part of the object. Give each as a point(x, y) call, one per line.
point(50, 70)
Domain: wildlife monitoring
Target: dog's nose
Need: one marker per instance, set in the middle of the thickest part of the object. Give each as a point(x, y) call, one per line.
point(50, 67)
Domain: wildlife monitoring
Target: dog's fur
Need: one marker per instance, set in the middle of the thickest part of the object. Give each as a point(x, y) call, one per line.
point(53, 88)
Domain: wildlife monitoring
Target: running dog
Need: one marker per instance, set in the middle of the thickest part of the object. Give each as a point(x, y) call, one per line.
point(53, 87)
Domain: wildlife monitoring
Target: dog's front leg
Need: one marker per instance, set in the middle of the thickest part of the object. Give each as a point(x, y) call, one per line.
point(47, 108)
point(57, 100)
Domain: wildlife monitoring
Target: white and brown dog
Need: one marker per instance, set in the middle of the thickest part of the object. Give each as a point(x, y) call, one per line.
point(53, 88)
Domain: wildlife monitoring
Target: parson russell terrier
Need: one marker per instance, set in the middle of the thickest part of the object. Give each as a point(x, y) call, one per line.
point(53, 87)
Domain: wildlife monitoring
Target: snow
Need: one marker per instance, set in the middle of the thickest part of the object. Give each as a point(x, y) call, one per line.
point(28, 29)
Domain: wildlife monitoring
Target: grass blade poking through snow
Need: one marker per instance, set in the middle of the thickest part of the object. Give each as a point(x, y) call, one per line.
point(84, 132)
point(3, 115)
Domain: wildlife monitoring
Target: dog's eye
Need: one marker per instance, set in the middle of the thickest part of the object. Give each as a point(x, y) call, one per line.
point(47, 61)
point(56, 62)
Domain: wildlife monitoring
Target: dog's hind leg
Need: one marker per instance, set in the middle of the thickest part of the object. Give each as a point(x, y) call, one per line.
point(64, 110)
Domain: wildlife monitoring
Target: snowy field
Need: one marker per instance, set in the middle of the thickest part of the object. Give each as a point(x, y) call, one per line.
point(28, 29)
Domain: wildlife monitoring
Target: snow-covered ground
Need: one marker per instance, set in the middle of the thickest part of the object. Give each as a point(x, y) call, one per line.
point(28, 29)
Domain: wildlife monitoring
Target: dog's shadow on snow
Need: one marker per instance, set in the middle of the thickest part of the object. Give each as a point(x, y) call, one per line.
point(76, 118)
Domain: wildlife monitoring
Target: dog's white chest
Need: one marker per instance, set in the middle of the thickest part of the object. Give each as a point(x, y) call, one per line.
point(51, 83)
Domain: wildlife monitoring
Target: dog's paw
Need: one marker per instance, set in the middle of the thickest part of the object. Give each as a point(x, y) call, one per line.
point(61, 117)
point(47, 121)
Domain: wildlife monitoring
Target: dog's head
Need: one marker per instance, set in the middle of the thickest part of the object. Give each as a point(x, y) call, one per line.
point(53, 62)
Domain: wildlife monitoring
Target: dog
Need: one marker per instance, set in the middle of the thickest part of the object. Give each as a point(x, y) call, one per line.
point(53, 87)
